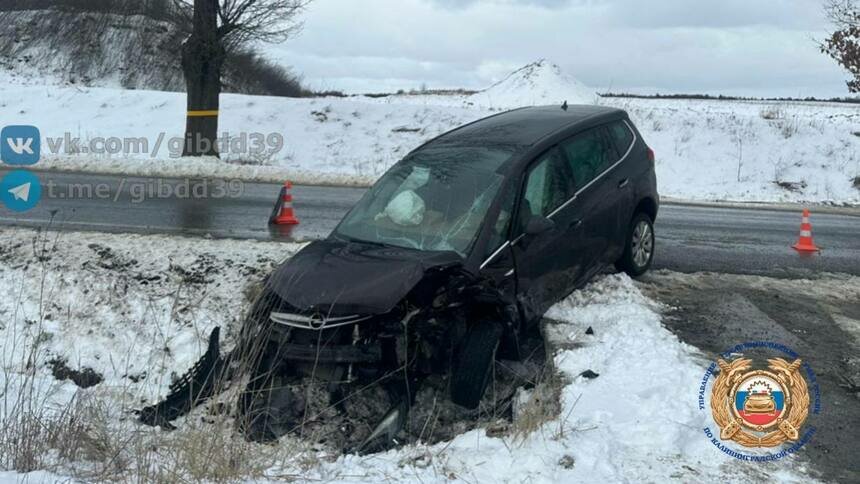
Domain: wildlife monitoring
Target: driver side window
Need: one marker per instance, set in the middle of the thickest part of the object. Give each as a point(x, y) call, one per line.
point(548, 185)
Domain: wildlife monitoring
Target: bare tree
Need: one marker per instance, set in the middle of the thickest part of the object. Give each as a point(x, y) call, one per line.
point(843, 45)
point(215, 28)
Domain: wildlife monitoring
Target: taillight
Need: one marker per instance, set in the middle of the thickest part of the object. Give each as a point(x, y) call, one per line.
point(650, 155)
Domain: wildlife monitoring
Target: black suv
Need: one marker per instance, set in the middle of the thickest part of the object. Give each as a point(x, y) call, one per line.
point(451, 257)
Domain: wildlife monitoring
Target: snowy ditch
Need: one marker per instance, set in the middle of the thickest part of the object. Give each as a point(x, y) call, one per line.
point(614, 403)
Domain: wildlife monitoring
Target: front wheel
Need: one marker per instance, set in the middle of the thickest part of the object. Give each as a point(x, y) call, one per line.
point(471, 369)
point(638, 247)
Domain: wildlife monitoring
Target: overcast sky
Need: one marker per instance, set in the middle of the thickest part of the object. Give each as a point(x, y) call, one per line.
point(743, 47)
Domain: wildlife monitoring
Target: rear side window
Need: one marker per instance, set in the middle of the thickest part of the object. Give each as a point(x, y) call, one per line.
point(589, 154)
point(622, 136)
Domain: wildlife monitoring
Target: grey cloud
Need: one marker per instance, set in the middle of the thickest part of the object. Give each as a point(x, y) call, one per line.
point(755, 47)
point(678, 13)
point(790, 14)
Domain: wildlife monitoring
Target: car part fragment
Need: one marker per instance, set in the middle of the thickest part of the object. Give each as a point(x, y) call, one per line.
point(195, 386)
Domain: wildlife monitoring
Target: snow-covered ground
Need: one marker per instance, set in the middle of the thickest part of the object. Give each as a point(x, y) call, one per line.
point(128, 307)
point(136, 309)
point(706, 150)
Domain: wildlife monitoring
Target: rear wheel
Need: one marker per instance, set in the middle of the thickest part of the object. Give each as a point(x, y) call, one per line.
point(638, 247)
point(471, 369)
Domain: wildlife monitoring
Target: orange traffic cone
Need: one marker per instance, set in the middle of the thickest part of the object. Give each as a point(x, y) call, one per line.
point(804, 242)
point(283, 213)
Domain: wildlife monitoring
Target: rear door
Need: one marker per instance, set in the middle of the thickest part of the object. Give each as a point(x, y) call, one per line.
point(591, 155)
point(625, 174)
point(547, 264)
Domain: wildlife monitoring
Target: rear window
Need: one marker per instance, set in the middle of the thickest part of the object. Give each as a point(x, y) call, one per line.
point(622, 136)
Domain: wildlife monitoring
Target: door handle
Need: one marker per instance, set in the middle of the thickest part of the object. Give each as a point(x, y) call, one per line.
point(623, 183)
point(576, 224)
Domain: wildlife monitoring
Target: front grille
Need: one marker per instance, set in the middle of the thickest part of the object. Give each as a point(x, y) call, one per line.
point(315, 322)
point(364, 353)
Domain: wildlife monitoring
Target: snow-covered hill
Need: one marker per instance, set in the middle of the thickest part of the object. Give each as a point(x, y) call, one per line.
point(538, 83)
point(67, 46)
point(126, 47)
point(535, 84)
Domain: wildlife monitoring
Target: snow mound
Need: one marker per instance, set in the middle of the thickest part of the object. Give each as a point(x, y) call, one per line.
point(538, 83)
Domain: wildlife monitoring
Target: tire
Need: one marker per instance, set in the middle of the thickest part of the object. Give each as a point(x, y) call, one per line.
point(252, 403)
point(471, 370)
point(638, 246)
point(268, 407)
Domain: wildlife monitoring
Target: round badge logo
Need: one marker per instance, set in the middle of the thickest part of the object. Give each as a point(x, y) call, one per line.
point(760, 408)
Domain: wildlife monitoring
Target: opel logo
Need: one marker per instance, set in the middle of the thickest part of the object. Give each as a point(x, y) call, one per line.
point(317, 321)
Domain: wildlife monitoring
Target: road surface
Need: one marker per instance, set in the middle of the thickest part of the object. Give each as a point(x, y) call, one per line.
point(690, 238)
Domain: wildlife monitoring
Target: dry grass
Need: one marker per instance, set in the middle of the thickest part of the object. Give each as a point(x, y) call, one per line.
point(208, 453)
point(772, 113)
point(543, 404)
point(92, 434)
point(93, 438)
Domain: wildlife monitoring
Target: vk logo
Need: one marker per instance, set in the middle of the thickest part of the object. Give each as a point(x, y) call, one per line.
point(20, 190)
point(19, 145)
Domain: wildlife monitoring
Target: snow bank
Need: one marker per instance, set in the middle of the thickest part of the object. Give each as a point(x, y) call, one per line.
point(135, 309)
point(138, 308)
point(325, 140)
point(706, 150)
point(750, 151)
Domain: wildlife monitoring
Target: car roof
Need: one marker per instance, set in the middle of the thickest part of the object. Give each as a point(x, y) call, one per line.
point(525, 127)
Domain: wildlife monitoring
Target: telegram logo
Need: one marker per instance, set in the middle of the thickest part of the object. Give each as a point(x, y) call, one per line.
point(20, 190)
point(20, 145)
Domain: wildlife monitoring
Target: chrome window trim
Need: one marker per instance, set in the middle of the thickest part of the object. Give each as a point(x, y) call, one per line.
point(599, 176)
point(494, 254)
point(571, 199)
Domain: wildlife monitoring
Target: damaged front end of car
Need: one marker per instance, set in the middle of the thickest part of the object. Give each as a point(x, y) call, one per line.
point(341, 317)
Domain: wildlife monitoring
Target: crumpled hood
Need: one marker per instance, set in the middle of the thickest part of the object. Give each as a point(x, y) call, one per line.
point(343, 278)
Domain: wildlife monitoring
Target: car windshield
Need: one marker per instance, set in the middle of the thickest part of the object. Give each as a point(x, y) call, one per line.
point(434, 200)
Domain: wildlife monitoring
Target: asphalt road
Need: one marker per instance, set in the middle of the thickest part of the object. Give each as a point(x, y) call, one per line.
point(819, 320)
point(690, 238)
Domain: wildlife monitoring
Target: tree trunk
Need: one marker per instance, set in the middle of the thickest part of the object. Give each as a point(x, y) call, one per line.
point(202, 58)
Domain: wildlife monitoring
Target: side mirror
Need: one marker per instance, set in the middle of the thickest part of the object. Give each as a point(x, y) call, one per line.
point(538, 224)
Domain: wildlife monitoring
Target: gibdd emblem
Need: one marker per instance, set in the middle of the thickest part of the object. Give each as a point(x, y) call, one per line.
point(759, 408)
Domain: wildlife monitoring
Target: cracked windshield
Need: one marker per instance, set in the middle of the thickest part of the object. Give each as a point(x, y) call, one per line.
point(434, 200)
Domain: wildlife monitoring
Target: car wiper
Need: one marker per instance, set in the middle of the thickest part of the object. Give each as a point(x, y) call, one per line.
point(353, 240)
